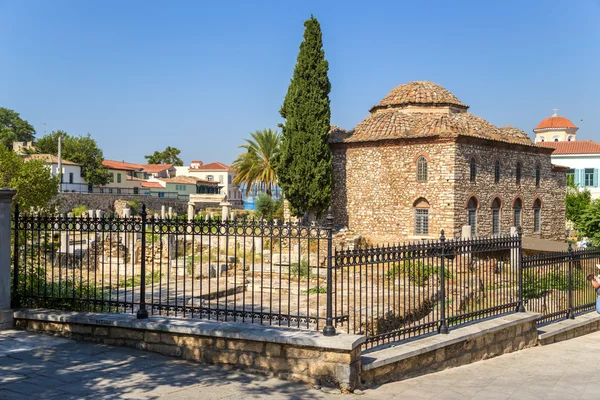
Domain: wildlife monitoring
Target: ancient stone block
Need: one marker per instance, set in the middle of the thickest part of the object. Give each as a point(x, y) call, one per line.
point(151, 337)
point(246, 360)
point(294, 352)
point(273, 350)
point(191, 353)
point(342, 358)
point(164, 349)
point(254, 347)
point(121, 333)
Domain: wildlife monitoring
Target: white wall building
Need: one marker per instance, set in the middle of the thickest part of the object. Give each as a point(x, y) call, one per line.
point(72, 179)
point(582, 157)
point(215, 172)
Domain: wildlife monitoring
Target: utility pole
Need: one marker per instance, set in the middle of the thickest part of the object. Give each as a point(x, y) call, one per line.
point(59, 162)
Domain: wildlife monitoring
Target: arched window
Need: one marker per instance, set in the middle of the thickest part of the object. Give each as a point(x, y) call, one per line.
point(537, 216)
point(570, 138)
point(421, 207)
point(421, 169)
point(497, 172)
point(517, 212)
point(542, 139)
point(538, 175)
point(473, 169)
point(496, 216)
point(472, 215)
point(519, 172)
point(555, 138)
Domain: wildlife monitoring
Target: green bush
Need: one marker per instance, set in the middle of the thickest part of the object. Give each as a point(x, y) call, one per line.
point(417, 271)
point(301, 269)
point(315, 290)
point(267, 208)
point(536, 285)
point(80, 209)
point(136, 206)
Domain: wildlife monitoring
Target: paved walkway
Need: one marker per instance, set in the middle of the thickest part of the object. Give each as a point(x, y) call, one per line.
point(38, 366)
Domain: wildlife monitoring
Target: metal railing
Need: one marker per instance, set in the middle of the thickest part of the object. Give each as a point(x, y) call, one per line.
point(288, 274)
point(556, 284)
point(390, 293)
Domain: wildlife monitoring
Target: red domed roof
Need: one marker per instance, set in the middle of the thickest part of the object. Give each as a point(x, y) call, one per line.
point(554, 122)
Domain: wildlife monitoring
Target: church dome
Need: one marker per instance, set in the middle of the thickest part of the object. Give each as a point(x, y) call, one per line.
point(419, 93)
point(555, 122)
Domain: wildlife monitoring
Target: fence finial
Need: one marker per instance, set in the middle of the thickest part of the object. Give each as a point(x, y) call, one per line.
point(144, 213)
point(570, 248)
point(442, 237)
point(519, 230)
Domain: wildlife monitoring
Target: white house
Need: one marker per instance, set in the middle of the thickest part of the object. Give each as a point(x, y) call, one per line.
point(582, 157)
point(217, 172)
point(71, 177)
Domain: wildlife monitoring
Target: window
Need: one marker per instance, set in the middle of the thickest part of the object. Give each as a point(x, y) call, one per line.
point(230, 179)
point(496, 217)
point(472, 169)
point(570, 138)
point(136, 190)
point(112, 177)
point(70, 177)
point(571, 176)
point(118, 178)
point(542, 139)
point(497, 172)
point(538, 175)
point(161, 195)
point(517, 212)
point(589, 177)
point(537, 216)
point(421, 207)
point(421, 169)
point(555, 138)
point(472, 215)
point(183, 187)
point(118, 191)
point(519, 173)
point(210, 178)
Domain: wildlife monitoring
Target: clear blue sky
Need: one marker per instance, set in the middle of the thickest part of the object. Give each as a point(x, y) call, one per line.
point(200, 75)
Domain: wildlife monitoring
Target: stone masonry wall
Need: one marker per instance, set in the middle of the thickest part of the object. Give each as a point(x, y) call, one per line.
point(513, 338)
point(551, 191)
point(291, 362)
point(375, 188)
point(67, 201)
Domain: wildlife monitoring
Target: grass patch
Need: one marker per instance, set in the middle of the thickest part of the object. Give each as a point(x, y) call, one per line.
point(417, 271)
point(315, 290)
point(136, 280)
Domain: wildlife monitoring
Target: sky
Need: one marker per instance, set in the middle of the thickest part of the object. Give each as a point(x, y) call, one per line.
point(202, 75)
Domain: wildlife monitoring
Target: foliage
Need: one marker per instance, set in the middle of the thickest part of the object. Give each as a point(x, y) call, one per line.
point(78, 210)
point(417, 271)
point(135, 205)
point(82, 150)
point(301, 269)
point(589, 222)
point(256, 165)
point(32, 180)
point(304, 163)
point(169, 155)
point(576, 201)
point(153, 277)
point(14, 128)
point(537, 285)
point(267, 208)
point(316, 289)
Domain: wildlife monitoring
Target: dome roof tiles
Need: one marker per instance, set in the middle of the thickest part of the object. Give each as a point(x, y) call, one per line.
point(555, 122)
point(419, 93)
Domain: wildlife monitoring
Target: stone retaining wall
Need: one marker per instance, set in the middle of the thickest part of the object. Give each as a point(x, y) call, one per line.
point(489, 344)
point(67, 201)
point(282, 356)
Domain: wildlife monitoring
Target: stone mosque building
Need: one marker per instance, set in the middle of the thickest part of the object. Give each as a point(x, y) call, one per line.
point(420, 162)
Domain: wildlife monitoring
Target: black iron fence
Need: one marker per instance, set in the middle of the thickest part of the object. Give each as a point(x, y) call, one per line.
point(556, 284)
point(287, 274)
point(390, 293)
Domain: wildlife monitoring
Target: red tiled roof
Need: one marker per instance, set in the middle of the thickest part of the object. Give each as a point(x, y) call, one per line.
point(214, 166)
point(555, 122)
point(188, 180)
point(125, 166)
point(154, 185)
point(576, 147)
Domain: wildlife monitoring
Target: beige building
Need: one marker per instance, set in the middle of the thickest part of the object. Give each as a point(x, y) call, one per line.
point(215, 172)
point(555, 129)
point(420, 163)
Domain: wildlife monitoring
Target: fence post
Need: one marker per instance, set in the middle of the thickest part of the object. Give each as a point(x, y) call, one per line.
point(16, 297)
point(443, 328)
point(6, 315)
point(570, 313)
point(329, 329)
point(142, 312)
point(520, 306)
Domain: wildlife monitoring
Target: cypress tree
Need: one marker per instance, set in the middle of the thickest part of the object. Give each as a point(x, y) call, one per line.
point(304, 164)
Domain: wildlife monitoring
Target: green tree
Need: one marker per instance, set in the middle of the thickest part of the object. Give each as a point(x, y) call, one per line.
point(82, 150)
point(576, 201)
point(589, 222)
point(268, 208)
point(304, 162)
point(170, 155)
point(32, 180)
point(256, 165)
point(14, 128)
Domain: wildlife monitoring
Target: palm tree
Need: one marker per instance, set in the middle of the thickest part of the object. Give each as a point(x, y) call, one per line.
point(256, 165)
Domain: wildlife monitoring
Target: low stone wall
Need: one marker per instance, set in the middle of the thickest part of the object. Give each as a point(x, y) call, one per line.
point(93, 201)
point(462, 346)
point(296, 355)
point(569, 328)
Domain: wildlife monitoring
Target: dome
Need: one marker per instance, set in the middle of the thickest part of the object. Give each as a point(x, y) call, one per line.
point(555, 122)
point(419, 93)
